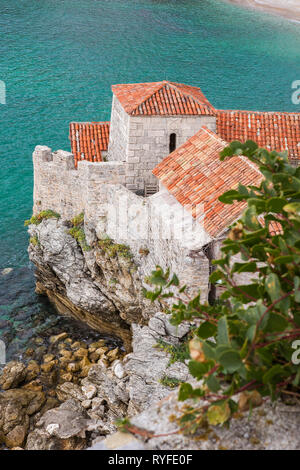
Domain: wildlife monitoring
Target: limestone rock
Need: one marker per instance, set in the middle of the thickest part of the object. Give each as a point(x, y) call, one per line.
point(73, 281)
point(269, 428)
point(16, 406)
point(89, 391)
point(12, 375)
point(69, 390)
point(62, 428)
point(147, 365)
point(113, 390)
point(118, 441)
point(118, 369)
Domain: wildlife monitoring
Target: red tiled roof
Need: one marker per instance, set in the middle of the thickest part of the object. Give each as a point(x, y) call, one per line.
point(272, 130)
point(88, 139)
point(163, 99)
point(196, 177)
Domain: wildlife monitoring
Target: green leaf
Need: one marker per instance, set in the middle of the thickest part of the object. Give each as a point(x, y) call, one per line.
point(273, 287)
point(218, 414)
point(276, 204)
point(251, 333)
point(259, 204)
point(198, 369)
point(287, 182)
point(284, 259)
point(230, 360)
point(213, 384)
point(223, 334)
point(250, 219)
point(276, 323)
point(206, 330)
point(208, 350)
point(271, 374)
point(297, 318)
point(216, 276)
point(244, 267)
point(185, 391)
point(293, 207)
point(230, 196)
point(297, 289)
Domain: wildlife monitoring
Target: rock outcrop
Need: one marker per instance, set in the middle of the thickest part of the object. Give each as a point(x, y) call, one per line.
point(99, 285)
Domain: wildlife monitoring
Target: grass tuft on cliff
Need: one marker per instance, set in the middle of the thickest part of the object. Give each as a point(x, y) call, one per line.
point(37, 219)
point(77, 231)
point(114, 249)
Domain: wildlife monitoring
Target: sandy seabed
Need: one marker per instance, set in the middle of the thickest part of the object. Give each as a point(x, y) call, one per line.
point(288, 8)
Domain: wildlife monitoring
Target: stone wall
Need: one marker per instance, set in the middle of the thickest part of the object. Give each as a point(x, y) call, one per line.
point(118, 134)
point(158, 230)
point(60, 187)
point(143, 141)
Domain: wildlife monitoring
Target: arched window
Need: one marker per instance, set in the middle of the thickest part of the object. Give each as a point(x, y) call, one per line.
point(172, 143)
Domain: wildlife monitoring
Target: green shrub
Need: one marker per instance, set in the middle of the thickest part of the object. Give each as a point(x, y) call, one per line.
point(37, 219)
point(77, 231)
point(245, 343)
point(34, 241)
point(114, 249)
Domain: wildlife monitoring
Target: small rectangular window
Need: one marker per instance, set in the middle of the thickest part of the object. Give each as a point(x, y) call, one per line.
point(172, 143)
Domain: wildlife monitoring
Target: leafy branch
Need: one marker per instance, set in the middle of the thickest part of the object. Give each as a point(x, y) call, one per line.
point(242, 349)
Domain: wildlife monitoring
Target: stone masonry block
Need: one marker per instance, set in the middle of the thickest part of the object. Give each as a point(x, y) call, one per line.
point(64, 159)
point(42, 153)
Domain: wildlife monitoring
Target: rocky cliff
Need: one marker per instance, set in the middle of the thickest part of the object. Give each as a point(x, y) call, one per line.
point(96, 281)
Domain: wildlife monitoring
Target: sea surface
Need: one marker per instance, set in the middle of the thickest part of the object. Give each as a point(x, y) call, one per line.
point(58, 59)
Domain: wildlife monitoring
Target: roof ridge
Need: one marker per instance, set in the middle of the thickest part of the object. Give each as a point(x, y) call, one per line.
point(209, 105)
point(160, 85)
point(219, 139)
point(213, 134)
point(151, 94)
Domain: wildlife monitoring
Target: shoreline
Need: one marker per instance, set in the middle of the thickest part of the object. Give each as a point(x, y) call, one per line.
point(289, 9)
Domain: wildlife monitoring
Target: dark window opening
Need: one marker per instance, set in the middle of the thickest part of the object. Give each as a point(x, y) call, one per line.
point(172, 144)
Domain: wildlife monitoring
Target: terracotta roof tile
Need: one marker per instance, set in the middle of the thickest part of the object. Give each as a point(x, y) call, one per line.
point(271, 130)
point(196, 177)
point(162, 98)
point(88, 139)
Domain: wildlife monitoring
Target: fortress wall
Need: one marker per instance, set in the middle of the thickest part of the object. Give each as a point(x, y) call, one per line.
point(152, 227)
point(60, 187)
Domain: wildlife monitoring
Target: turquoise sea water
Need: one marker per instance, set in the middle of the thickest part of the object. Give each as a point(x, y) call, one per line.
point(58, 59)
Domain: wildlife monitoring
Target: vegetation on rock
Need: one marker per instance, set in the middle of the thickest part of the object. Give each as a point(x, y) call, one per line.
point(37, 219)
point(178, 353)
point(114, 249)
point(77, 231)
point(34, 241)
point(244, 350)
